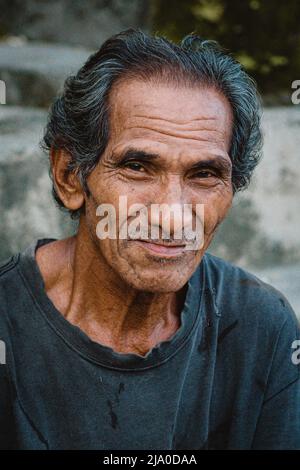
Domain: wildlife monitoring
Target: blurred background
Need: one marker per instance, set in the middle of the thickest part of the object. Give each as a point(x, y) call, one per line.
point(42, 42)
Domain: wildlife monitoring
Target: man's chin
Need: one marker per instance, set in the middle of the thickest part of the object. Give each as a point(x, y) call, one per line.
point(147, 270)
point(156, 288)
point(160, 280)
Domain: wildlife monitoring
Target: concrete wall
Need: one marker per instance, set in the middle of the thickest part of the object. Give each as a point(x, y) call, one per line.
point(263, 227)
point(81, 23)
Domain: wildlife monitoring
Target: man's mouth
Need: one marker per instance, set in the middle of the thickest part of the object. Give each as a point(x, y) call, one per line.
point(166, 249)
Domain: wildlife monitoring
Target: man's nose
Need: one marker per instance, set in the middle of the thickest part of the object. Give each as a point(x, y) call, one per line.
point(171, 202)
point(171, 191)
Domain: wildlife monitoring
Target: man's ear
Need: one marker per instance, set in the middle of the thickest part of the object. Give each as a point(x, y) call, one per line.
point(66, 183)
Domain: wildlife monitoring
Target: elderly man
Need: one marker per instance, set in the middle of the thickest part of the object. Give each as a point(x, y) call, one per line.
point(147, 343)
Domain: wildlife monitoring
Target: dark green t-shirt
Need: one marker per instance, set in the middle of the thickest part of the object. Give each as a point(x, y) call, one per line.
point(225, 380)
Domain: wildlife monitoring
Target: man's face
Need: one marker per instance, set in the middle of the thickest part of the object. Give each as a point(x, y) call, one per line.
point(167, 145)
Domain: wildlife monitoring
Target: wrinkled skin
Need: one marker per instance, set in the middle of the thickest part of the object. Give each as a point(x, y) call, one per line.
point(128, 294)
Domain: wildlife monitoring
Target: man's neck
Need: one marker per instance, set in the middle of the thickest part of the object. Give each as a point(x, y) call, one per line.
point(92, 296)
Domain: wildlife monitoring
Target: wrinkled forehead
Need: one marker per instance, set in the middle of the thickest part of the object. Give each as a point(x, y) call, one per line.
point(161, 111)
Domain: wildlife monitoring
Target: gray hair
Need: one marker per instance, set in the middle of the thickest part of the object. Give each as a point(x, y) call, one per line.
point(79, 119)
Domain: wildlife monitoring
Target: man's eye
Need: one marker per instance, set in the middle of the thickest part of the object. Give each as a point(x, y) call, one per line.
point(204, 174)
point(134, 166)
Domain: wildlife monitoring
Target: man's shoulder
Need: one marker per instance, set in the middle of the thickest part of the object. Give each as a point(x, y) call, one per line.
point(8, 271)
point(257, 327)
point(240, 293)
point(12, 283)
point(8, 263)
point(10, 286)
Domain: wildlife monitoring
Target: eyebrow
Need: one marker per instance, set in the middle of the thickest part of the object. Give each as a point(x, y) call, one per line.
point(133, 153)
point(219, 162)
